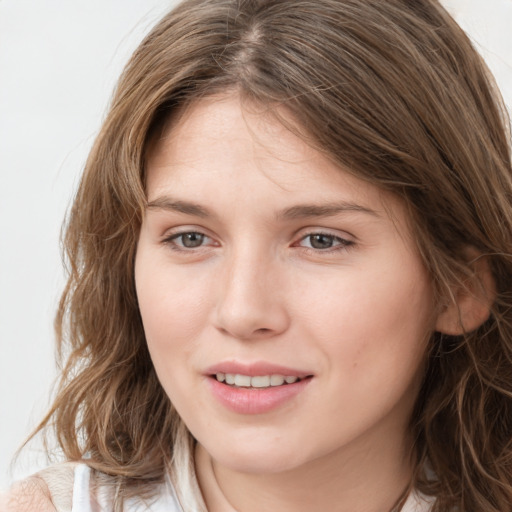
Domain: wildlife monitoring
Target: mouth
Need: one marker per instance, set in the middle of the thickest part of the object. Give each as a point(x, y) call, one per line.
point(256, 387)
point(256, 394)
point(237, 380)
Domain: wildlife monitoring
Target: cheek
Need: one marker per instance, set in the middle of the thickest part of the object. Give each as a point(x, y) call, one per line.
point(173, 307)
point(373, 343)
point(370, 323)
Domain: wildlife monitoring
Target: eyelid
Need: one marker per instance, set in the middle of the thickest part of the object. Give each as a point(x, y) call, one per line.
point(345, 240)
point(172, 234)
point(185, 228)
point(336, 233)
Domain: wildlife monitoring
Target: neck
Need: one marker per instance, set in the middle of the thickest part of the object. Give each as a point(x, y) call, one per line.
point(349, 480)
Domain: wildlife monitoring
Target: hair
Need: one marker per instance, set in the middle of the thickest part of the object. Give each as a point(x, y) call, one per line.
point(391, 90)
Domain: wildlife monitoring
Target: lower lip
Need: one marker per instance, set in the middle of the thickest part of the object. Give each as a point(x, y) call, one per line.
point(255, 400)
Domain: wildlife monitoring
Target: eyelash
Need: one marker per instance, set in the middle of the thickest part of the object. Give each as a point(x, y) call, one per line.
point(342, 243)
point(171, 241)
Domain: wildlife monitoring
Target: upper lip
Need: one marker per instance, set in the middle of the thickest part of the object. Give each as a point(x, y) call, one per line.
point(255, 369)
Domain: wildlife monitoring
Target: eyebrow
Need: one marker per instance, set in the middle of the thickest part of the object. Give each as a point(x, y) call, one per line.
point(167, 203)
point(300, 211)
point(323, 210)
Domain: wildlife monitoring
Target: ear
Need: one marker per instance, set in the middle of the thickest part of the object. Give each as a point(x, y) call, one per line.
point(471, 302)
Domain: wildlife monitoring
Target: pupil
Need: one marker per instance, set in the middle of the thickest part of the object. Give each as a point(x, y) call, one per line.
point(321, 241)
point(192, 239)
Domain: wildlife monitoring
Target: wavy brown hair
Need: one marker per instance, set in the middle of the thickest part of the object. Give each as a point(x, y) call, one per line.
point(392, 90)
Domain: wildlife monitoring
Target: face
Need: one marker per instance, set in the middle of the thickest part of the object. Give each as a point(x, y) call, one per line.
point(285, 307)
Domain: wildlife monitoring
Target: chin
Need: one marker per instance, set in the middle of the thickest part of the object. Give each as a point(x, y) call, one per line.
point(257, 457)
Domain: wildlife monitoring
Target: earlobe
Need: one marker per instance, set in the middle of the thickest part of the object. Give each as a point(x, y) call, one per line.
point(470, 304)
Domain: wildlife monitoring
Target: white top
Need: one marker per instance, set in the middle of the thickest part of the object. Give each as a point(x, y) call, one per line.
point(418, 503)
point(165, 500)
point(83, 500)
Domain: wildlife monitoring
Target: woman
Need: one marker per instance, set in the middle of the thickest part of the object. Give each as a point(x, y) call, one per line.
point(290, 264)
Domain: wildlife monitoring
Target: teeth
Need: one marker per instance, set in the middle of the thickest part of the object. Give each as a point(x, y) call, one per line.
point(243, 381)
point(262, 381)
point(276, 380)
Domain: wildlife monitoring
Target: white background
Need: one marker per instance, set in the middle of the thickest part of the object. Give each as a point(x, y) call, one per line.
point(59, 60)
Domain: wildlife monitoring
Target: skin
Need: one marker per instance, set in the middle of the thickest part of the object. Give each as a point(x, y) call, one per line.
point(355, 316)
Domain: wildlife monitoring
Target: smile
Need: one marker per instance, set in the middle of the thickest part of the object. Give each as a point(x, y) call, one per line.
point(260, 381)
point(256, 394)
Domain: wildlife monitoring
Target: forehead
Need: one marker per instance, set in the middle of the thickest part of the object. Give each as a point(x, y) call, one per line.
point(225, 121)
point(239, 149)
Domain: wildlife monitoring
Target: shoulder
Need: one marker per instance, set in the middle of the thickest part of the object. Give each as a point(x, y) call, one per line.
point(74, 487)
point(27, 496)
point(50, 490)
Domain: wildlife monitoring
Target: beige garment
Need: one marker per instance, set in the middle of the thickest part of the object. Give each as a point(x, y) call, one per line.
point(60, 480)
point(74, 487)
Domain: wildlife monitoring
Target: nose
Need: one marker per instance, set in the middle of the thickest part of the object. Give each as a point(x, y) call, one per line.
point(251, 302)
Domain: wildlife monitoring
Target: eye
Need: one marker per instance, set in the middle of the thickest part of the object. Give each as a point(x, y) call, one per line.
point(188, 240)
point(324, 241)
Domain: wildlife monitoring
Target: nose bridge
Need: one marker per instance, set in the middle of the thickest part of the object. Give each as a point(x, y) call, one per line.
point(250, 303)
